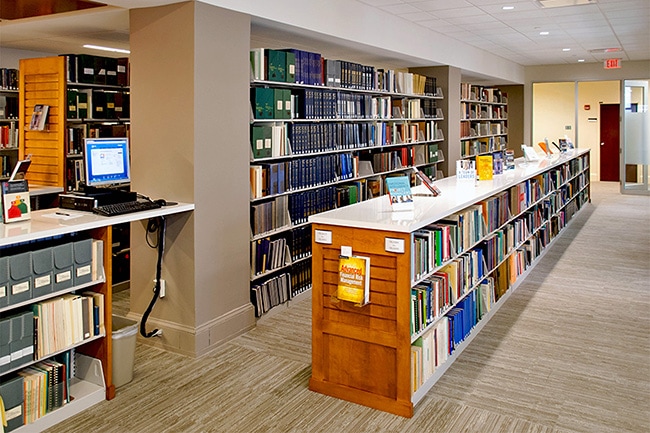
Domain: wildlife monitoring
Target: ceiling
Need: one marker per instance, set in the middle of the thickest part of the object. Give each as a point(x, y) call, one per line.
point(587, 31)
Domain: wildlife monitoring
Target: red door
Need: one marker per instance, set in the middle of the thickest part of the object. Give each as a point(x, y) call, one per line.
point(610, 142)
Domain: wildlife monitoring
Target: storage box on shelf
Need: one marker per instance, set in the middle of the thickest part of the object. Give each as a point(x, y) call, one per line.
point(484, 120)
point(438, 274)
point(325, 134)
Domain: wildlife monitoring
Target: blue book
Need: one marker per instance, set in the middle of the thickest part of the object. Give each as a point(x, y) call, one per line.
point(399, 192)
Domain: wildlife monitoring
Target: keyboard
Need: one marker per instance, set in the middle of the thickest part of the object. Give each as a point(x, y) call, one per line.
point(124, 208)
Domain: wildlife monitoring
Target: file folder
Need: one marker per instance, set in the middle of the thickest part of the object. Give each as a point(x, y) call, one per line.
point(83, 256)
point(63, 267)
point(12, 396)
point(20, 278)
point(4, 282)
point(42, 267)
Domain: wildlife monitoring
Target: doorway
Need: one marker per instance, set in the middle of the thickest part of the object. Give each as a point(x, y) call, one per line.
point(609, 142)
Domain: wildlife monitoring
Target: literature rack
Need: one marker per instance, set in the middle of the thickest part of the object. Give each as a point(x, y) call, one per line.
point(484, 120)
point(325, 134)
point(376, 355)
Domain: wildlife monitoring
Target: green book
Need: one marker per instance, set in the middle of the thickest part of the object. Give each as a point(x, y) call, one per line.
point(82, 104)
point(262, 100)
point(261, 141)
point(290, 67)
point(277, 63)
point(71, 104)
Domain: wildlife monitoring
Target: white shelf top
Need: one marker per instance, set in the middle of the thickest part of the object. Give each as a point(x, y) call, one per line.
point(377, 213)
point(45, 223)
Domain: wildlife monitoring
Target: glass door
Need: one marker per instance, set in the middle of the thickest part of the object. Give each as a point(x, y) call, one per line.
point(635, 137)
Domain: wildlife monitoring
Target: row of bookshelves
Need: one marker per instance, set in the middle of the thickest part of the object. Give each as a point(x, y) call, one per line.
point(90, 69)
point(435, 347)
point(483, 128)
point(472, 147)
point(315, 103)
point(477, 111)
point(9, 135)
point(8, 79)
point(269, 141)
point(463, 260)
point(96, 103)
point(474, 93)
point(51, 390)
point(283, 212)
point(281, 288)
point(298, 174)
point(271, 253)
point(310, 68)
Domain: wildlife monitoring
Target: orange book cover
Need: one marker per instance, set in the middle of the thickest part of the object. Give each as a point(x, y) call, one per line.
point(354, 279)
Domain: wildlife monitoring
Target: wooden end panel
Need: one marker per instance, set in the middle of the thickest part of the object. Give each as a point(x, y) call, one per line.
point(362, 354)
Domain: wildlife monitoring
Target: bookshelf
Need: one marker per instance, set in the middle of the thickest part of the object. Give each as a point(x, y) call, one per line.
point(484, 120)
point(87, 97)
point(375, 355)
point(93, 364)
point(8, 120)
point(324, 135)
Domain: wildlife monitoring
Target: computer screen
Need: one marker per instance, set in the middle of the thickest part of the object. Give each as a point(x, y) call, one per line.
point(107, 161)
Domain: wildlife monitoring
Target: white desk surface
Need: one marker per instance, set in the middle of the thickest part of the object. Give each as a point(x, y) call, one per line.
point(456, 195)
point(45, 223)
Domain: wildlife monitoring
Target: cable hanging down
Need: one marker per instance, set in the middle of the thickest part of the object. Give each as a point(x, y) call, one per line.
point(155, 225)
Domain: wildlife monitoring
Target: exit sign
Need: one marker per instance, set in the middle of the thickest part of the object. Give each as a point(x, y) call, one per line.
point(612, 63)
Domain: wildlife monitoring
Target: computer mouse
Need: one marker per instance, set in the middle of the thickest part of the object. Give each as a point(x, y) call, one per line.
point(161, 202)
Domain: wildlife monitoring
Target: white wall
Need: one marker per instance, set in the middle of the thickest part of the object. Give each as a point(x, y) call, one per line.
point(10, 57)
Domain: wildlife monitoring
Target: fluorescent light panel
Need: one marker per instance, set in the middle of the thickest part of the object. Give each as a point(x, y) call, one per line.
point(564, 3)
point(113, 50)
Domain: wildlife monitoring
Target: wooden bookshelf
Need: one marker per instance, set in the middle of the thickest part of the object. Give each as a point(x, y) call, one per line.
point(93, 384)
point(341, 133)
point(48, 81)
point(363, 354)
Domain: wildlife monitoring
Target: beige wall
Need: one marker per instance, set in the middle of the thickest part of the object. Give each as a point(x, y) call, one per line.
point(553, 112)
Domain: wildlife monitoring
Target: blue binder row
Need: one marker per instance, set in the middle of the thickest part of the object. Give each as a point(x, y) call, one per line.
point(32, 274)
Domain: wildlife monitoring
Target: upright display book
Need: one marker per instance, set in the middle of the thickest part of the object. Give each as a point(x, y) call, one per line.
point(426, 181)
point(15, 201)
point(465, 170)
point(399, 192)
point(354, 280)
point(484, 167)
point(39, 117)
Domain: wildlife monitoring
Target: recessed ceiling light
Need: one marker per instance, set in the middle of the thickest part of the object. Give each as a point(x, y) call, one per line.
point(581, 60)
point(113, 50)
point(544, 33)
point(566, 49)
point(508, 8)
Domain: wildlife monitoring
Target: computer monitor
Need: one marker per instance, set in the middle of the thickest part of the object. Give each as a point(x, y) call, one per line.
point(107, 161)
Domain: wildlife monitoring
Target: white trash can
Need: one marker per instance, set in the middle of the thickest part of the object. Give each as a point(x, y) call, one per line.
point(124, 336)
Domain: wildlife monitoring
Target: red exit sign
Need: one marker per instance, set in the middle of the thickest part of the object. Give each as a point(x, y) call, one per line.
point(612, 63)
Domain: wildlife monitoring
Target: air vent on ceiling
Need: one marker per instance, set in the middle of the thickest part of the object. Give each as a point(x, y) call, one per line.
point(564, 3)
point(605, 50)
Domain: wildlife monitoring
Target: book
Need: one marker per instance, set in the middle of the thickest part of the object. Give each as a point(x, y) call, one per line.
point(354, 280)
point(15, 201)
point(426, 181)
point(399, 192)
point(484, 167)
point(39, 117)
